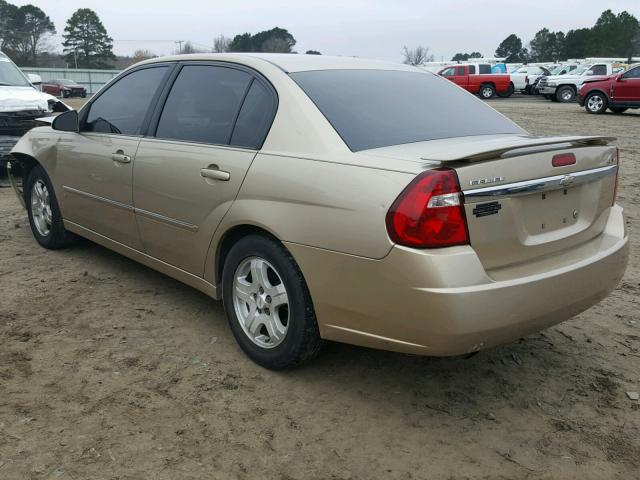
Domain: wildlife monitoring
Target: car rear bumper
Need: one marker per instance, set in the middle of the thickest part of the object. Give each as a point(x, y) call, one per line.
point(442, 302)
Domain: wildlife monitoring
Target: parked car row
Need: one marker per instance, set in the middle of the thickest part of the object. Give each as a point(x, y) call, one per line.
point(64, 88)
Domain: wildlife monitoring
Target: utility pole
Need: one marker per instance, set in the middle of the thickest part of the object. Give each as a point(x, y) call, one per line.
point(179, 42)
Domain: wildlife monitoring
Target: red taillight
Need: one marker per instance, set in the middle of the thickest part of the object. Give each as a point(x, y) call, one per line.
point(429, 212)
point(563, 159)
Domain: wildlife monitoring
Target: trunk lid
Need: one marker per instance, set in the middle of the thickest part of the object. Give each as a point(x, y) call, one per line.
point(520, 208)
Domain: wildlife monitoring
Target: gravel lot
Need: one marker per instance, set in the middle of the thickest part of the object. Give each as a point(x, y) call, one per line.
point(109, 370)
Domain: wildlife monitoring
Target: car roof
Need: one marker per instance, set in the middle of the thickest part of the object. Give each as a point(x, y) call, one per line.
point(292, 62)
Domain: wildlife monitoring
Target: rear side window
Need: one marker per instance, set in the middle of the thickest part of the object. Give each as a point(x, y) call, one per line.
point(255, 117)
point(379, 108)
point(599, 69)
point(460, 71)
point(472, 69)
point(123, 107)
point(203, 104)
point(484, 69)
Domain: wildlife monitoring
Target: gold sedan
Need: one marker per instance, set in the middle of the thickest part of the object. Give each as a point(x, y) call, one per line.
point(332, 198)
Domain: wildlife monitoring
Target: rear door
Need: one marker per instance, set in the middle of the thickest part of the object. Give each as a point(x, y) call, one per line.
point(627, 87)
point(188, 172)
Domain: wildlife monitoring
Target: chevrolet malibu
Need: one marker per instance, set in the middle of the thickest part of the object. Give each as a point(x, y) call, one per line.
point(332, 199)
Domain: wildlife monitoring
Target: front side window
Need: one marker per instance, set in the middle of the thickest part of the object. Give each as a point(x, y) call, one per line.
point(449, 72)
point(633, 73)
point(379, 108)
point(203, 104)
point(123, 107)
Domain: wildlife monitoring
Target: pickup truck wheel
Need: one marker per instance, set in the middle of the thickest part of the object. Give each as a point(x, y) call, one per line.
point(487, 91)
point(565, 94)
point(44, 214)
point(618, 110)
point(595, 102)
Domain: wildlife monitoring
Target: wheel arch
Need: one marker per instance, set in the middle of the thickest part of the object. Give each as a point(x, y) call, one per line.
point(26, 164)
point(597, 90)
point(229, 238)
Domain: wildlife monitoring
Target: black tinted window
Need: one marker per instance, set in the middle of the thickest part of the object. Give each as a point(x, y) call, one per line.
point(484, 69)
point(378, 108)
point(203, 104)
point(472, 69)
point(255, 117)
point(123, 106)
point(599, 69)
point(634, 73)
point(460, 71)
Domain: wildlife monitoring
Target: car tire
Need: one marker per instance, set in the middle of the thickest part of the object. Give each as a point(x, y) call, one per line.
point(618, 110)
point(275, 337)
point(565, 94)
point(487, 91)
point(596, 102)
point(44, 214)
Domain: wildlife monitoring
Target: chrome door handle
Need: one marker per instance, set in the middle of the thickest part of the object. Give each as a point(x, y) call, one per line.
point(215, 174)
point(120, 157)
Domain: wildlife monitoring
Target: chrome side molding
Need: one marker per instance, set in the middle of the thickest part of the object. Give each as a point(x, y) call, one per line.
point(545, 184)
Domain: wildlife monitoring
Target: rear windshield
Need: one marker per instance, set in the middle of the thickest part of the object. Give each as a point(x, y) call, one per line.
point(380, 108)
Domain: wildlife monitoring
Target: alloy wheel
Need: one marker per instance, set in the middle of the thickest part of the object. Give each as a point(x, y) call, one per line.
point(261, 302)
point(595, 103)
point(41, 207)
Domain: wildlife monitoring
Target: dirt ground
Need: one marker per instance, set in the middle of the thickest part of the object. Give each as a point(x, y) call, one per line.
point(109, 370)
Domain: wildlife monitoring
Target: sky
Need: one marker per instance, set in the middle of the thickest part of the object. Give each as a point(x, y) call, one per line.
point(365, 28)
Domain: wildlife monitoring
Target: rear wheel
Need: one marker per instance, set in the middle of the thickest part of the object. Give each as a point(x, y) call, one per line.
point(268, 305)
point(44, 214)
point(565, 94)
point(618, 110)
point(595, 102)
point(487, 91)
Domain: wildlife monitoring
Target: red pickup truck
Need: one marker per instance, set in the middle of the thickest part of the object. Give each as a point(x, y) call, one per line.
point(474, 79)
point(617, 92)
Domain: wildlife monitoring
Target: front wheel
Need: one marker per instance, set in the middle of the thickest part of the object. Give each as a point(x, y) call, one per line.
point(618, 110)
point(595, 103)
point(487, 91)
point(268, 305)
point(565, 94)
point(44, 213)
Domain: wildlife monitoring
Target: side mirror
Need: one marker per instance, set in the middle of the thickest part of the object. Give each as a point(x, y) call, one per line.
point(589, 72)
point(34, 79)
point(67, 122)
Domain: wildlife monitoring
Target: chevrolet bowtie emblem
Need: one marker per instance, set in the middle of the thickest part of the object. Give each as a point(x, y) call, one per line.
point(567, 180)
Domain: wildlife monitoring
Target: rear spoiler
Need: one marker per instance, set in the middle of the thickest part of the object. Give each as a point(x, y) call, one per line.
point(484, 149)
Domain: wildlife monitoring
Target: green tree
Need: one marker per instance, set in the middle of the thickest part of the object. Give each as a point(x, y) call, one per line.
point(576, 43)
point(511, 49)
point(546, 46)
point(313, 52)
point(613, 35)
point(463, 57)
point(86, 43)
point(31, 26)
point(275, 40)
point(8, 13)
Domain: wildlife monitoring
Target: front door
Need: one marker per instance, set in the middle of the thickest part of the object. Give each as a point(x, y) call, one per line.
point(186, 178)
point(627, 88)
point(95, 166)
